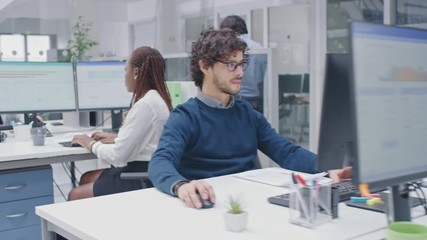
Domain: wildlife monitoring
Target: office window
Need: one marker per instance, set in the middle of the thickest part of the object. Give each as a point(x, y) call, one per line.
point(37, 46)
point(193, 27)
point(12, 47)
point(413, 12)
point(339, 13)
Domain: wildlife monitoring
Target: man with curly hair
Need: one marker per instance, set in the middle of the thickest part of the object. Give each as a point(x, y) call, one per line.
point(214, 134)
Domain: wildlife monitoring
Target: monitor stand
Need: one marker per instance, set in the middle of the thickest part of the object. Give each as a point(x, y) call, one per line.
point(116, 120)
point(398, 203)
point(29, 117)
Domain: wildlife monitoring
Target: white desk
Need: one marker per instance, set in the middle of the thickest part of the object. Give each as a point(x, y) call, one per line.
point(24, 185)
point(151, 214)
point(21, 154)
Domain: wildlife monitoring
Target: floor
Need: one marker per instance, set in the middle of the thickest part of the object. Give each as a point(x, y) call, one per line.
point(61, 177)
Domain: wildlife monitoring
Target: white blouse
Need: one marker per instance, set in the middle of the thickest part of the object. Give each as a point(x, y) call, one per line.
point(140, 133)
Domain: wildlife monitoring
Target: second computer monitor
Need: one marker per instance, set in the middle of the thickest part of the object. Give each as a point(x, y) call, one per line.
point(101, 85)
point(389, 90)
point(30, 87)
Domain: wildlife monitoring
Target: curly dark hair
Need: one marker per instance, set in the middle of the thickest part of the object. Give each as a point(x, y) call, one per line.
point(214, 45)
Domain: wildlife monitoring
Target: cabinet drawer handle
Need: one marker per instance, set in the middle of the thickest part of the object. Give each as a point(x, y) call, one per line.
point(15, 187)
point(18, 215)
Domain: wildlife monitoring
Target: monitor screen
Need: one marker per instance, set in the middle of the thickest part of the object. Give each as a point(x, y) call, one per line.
point(178, 68)
point(36, 87)
point(101, 85)
point(306, 84)
point(336, 135)
point(290, 84)
point(389, 86)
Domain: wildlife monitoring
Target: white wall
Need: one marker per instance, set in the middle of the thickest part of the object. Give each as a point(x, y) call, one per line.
point(109, 25)
point(170, 35)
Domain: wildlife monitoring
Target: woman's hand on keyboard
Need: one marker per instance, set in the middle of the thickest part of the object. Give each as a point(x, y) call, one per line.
point(82, 139)
point(104, 137)
point(339, 175)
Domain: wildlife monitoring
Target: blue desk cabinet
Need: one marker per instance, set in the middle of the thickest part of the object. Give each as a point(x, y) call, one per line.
point(21, 190)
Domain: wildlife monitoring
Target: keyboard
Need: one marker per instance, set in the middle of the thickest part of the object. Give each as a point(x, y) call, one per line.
point(346, 189)
point(69, 144)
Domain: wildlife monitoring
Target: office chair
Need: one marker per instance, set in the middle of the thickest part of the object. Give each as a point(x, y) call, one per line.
point(141, 174)
point(287, 116)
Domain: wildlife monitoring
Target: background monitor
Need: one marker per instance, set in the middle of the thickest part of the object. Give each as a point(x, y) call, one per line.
point(290, 84)
point(389, 90)
point(306, 83)
point(30, 87)
point(101, 85)
point(336, 136)
point(178, 68)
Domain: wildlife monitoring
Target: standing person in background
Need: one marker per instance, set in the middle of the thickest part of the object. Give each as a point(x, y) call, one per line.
point(251, 89)
point(139, 135)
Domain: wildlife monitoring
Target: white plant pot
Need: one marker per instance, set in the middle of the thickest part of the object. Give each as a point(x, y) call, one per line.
point(236, 222)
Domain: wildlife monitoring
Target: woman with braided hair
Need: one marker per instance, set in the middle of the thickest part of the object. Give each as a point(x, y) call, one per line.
point(137, 139)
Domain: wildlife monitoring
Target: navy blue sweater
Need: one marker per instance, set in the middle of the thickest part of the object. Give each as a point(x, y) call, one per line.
point(199, 141)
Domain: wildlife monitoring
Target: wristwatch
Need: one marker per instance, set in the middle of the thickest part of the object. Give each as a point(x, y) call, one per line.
point(177, 185)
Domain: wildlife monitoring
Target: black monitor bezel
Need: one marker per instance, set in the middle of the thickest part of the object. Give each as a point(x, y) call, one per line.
point(336, 148)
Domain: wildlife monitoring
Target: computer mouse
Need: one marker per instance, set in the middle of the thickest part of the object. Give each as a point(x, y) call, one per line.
point(206, 203)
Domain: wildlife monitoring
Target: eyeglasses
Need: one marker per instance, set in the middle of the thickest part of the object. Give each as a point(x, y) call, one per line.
point(232, 66)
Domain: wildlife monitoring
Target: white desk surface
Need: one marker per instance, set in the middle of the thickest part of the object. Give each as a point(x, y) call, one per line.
point(17, 154)
point(150, 213)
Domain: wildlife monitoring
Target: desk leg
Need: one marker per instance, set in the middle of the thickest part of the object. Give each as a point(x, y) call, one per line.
point(46, 234)
point(73, 174)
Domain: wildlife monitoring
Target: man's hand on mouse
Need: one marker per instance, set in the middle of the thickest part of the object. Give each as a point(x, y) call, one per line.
point(188, 193)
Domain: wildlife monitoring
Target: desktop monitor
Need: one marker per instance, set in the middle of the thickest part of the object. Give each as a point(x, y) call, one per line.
point(101, 86)
point(290, 84)
point(336, 135)
point(178, 68)
point(31, 87)
point(388, 90)
point(306, 83)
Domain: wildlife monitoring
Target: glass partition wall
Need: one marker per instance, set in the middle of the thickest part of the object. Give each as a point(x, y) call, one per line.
point(291, 44)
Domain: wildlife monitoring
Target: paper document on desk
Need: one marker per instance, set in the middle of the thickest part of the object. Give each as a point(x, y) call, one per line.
point(279, 177)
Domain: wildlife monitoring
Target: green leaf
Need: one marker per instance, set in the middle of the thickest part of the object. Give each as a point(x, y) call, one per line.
point(80, 42)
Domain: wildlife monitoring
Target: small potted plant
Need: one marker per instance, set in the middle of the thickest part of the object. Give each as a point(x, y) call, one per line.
point(236, 218)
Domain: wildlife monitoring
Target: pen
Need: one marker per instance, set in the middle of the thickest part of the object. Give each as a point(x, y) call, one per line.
point(301, 201)
point(301, 180)
point(294, 179)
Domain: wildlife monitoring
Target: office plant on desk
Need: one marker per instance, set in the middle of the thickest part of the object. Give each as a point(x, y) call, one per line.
point(236, 218)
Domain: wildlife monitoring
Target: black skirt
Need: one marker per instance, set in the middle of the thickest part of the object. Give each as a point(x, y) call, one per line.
point(109, 182)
